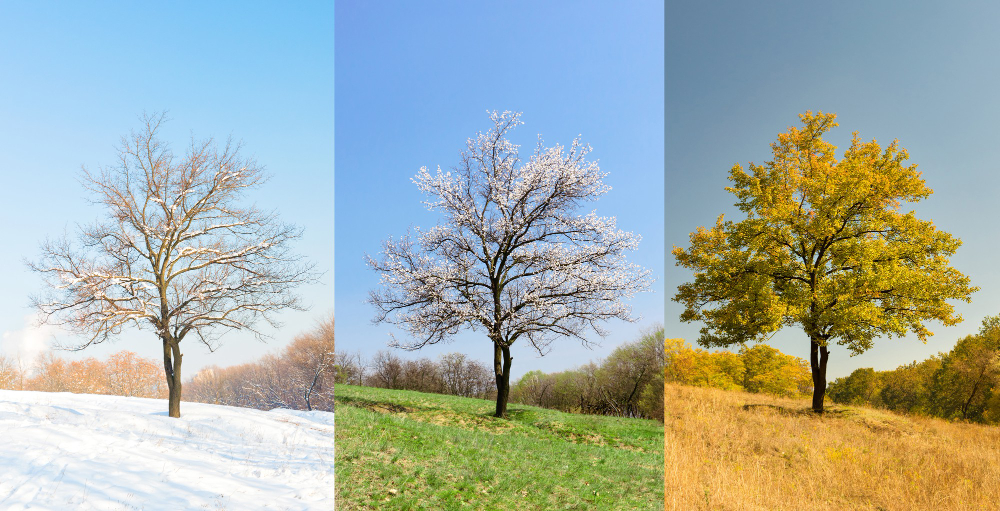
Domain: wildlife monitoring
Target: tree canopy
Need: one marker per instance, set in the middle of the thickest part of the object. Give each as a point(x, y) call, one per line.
point(824, 246)
point(177, 252)
point(512, 257)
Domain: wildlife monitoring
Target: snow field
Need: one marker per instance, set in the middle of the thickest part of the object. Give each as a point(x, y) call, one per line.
point(61, 451)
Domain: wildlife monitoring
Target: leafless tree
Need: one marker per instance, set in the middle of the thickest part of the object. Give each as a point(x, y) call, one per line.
point(350, 367)
point(12, 373)
point(513, 257)
point(311, 356)
point(176, 253)
point(387, 369)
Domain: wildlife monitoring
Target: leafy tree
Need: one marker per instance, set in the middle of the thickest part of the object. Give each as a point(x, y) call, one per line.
point(513, 258)
point(969, 373)
point(861, 387)
point(691, 366)
point(629, 370)
point(825, 247)
point(767, 370)
point(908, 387)
point(176, 252)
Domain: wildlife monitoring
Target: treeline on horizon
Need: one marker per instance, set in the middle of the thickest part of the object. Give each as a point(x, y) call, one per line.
point(758, 369)
point(961, 384)
point(628, 383)
point(122, 374)
point(300, 377)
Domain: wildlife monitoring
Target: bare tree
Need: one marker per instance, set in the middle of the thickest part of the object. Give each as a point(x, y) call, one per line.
point(176, 253)
point(387, 370)
point(311, 356)
point(512, 257)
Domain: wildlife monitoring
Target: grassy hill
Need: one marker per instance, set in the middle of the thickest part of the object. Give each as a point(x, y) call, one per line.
point(738, 451)
point(411, 450)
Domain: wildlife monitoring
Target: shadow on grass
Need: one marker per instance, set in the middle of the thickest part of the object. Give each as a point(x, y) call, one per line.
point(376, 406)
point(798, 411)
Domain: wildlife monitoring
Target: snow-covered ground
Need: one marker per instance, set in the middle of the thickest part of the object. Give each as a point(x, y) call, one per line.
point(63, 451)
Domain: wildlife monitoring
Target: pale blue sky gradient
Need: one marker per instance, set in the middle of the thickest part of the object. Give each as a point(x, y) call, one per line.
point(738, 73)
point(75, 76)
point(415, 80)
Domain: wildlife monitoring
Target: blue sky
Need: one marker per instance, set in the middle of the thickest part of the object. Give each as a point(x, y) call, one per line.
point(739, 73)
point(76, 76)
point(415, 80)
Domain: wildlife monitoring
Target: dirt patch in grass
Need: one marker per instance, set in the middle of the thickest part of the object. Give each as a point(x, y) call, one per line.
point(466, 421)
point(378, 407)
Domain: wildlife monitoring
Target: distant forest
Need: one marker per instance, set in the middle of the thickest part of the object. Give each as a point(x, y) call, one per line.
point(628, 383)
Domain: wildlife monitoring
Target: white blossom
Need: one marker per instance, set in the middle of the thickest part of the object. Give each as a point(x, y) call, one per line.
point(512, 255)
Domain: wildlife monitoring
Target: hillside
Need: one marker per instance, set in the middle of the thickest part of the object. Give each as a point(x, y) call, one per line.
point(77, 451)
point(410, 450)
point(728, 450)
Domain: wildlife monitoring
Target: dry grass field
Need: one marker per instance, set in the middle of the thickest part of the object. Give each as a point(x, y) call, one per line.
point(739, 451)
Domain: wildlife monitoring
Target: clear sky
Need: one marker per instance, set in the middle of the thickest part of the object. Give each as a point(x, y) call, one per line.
point(74, 77)
point(415, 80)
point(926, 73)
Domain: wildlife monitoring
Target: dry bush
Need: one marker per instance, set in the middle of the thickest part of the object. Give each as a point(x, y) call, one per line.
point(122, 374)
point(50, 374)
point(731, 450)
point(12, 374)
point(128, 374)
point(300, 378)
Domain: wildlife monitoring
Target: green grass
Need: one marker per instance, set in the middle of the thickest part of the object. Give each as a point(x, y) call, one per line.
point(400, 449)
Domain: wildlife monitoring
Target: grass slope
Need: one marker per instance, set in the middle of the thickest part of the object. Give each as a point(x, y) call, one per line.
point(411, 450)
point(739, 451)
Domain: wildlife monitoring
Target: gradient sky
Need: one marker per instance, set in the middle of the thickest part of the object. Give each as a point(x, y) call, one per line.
point(74, 77)
point(925, 73)
point(415, 80)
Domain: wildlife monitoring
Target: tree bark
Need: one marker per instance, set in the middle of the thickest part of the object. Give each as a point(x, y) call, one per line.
point(818, 356)
point(501, 367)
point(172, 368)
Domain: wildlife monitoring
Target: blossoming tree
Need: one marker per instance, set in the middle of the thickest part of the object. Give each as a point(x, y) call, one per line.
point(176, 252)
point(512, 258)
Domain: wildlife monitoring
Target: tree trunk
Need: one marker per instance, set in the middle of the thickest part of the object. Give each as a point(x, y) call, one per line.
point(501, 354)
point(172, 367)
point(818, 356)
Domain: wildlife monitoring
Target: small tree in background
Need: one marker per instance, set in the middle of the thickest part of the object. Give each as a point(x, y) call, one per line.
point(767, 370)
point(825, 247)
point(861, 387)
point(969, 373)
point(176, 252)
point(311, 356)
point(512, 258)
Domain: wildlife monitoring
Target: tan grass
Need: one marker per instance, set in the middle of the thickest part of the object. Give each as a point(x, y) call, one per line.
point(729, 450)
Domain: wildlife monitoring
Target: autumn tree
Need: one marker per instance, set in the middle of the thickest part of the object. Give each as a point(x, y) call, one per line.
point(767, 370)
point(909, 387)
point(513, 258)
point(176, 253)
point(861, 387)
point(969, 373)
point(824, 246)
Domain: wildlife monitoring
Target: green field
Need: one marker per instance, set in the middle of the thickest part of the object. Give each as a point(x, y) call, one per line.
point(400, 449)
